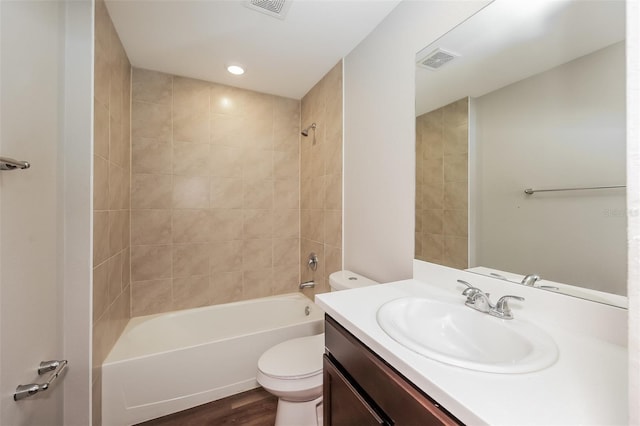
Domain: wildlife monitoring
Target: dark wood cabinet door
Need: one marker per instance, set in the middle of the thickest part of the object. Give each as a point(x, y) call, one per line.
point(343, 405)
point(397, 400)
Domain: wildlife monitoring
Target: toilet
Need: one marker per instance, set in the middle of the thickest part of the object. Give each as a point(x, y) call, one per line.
point(292, 370)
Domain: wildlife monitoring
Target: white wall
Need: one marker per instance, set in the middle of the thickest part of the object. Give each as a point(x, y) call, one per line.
point(30, 319)
point(562, 128)
point(379, 136)
point(633, 204)
point(76, 154)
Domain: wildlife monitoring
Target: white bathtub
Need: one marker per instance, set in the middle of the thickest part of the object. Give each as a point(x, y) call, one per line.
point(169, 362)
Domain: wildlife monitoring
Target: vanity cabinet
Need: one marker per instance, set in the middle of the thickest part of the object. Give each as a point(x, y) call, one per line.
point(361, 389)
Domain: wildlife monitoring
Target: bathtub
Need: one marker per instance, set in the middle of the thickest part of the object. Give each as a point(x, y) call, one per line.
point(169, 362)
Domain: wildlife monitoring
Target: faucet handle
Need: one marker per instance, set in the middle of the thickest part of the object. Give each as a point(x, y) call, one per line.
point(502, 309)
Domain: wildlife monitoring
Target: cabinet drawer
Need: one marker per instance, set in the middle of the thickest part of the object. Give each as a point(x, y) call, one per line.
point(344, 406)
point(400, 400)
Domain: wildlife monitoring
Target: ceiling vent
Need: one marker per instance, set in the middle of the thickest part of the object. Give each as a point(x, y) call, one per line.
point(275, 8)
point(436, 59)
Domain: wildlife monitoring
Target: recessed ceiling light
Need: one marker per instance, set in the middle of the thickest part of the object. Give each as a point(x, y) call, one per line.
point(235, 69)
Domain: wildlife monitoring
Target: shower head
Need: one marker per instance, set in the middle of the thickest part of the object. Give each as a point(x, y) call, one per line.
point(305, 132)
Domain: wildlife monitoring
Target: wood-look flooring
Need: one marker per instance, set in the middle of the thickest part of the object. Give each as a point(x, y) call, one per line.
point(256, 407)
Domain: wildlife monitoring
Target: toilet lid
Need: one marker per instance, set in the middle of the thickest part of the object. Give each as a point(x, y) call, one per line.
point(294, 359)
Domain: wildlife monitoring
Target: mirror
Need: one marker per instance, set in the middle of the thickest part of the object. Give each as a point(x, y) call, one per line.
point(526, 96)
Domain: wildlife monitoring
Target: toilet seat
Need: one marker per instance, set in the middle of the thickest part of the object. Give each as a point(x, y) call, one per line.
point(293, 359)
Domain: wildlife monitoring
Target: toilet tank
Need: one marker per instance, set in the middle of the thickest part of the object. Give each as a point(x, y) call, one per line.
point(344, 280)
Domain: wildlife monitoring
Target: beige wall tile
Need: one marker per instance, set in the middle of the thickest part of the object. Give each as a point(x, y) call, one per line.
point(455, 140)
point(286, 223)
point(258, 194)
point(101, 128)
point(191, 226)
point(433, 171)
point(243, 147)
point(285, 279)
point(313, 192)
point(226, 100)
point(150, 191)
point(455, 195)
point(333, 228)
point(286, 252)
point(151, 297)
point(257, 164)
point(191, 292)
point(191, 192)
point(118, 184)
point(258, 224)
point(431, 220)
point(191, 93)
point(150, 262)
point(285, 164)
point(101, 249)
point(226, 193)
point(286, 193)
point(100, 183)
point(333, 156)
point(151, 121)
point(118, 230)
point(432, 196)
point(190, 124)
point(150, 227)
point(226, 224)
point(257, 254)
point(456, 252)
point(257, 283)
point(100, 290)
point(120, 311)
point(228, 130)
point(115, 264)
point(432, 247)
point(455, 168)
point(225, 161)
point(225, 287)
point(226, 256)
point(151, 86)
point(312, 225)
point(190, 260)
point(126, 268)
point(333, 192)
point(456, 223)
point(151, 156)
point(191, 159)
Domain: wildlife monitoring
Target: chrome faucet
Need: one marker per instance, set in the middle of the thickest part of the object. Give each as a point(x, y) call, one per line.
point(480, 301)
point(530, 280)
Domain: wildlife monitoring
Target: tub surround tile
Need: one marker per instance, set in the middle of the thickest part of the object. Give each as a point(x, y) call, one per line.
point(151, 156)
point(190, 260)
point(112, 151)
point(150, 262)
point(151, 227)
point(191, 292)
point(151, 86)
point(442, 185)
point(151, 297)
point(225, 287)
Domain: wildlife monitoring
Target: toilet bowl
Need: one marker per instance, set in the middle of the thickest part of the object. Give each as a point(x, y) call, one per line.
point(292, 370)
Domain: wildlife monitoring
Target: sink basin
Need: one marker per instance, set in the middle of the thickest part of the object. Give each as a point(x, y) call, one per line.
point(460, 336)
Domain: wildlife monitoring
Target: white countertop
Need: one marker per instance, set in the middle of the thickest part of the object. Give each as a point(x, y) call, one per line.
point(587, 385)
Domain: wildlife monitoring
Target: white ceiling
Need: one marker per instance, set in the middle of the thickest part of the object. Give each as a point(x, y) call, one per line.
point(510, 40)
point(283, 57)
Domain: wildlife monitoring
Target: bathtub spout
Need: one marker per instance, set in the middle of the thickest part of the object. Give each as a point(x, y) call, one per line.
point(307, 284)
